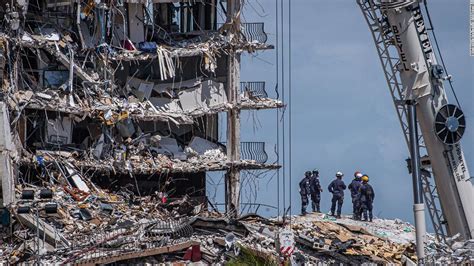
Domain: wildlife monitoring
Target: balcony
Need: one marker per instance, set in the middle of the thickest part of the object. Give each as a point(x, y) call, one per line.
point(254, 89)
point(252, 32)
point(254, 151)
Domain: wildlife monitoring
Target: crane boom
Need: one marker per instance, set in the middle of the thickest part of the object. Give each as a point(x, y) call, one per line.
point(442, 125)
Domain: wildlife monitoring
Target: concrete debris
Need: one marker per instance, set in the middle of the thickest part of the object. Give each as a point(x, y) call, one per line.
point(103, 226)
point(140, 159)
point(453, 252)
point(96, 224)
point(181, 108)
point(349, 241)
point(202, 146)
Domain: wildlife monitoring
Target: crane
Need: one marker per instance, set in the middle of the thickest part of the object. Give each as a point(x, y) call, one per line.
point(415, 74)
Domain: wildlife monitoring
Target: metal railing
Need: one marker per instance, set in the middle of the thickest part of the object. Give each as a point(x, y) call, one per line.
point(255, 32)
point(127, 238)
point(247, 207)
point(252, 32)
point(253, 151)
point(254, 88)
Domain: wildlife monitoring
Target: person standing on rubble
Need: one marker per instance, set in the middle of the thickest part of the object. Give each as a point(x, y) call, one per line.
point(305, 190)
point(337, 188)
point(354, 188)
point(366, 198)
point(315, 189)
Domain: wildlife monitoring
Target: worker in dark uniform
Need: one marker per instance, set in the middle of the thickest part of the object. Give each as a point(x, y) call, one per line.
point(337, 188)
point(366, 197)
point(354, 188)
point(305, 191)
point(315, 190)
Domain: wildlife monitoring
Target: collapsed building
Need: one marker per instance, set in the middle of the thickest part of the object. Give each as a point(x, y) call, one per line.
point(109, 105)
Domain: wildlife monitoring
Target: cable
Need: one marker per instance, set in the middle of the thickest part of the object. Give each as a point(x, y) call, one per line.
point(282, 19)
point(289, 101)
point(278, 110)
point(439, 53)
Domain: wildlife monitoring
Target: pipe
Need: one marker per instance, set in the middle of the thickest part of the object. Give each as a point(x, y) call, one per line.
point(418, 206)
point(420, 227)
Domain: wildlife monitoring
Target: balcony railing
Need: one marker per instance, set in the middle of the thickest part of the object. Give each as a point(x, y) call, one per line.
point(254, 89)
point(251, 150)
point(252, 31)
point(255, 32)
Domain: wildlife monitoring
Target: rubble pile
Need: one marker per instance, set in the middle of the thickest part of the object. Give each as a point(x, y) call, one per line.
point(453, 252)
point(95, 225)
point(349, 241)
point(102, 226)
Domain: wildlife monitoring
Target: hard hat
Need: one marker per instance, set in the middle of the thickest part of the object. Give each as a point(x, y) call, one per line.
point(358, 174)
point(365, 178)
point(339, 174)
point(316, 172)
point(307, 173)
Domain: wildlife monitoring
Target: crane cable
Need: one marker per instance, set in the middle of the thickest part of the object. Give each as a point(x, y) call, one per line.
point(439, 53)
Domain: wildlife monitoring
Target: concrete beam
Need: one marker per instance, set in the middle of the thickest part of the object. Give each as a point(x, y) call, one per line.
point(46, 231)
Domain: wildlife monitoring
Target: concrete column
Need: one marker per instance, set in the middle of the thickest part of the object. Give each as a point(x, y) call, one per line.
point(233, 116)
point(6, 164)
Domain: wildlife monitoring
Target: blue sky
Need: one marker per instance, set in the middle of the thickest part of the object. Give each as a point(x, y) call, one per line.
point(342, 114)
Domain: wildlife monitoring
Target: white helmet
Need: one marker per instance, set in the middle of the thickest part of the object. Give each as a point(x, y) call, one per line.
point(339, 174)
point(359, 175)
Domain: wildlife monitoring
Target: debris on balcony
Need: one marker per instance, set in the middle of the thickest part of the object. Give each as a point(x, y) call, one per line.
point(206, 97)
